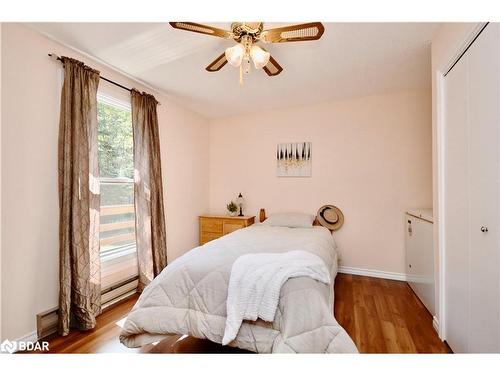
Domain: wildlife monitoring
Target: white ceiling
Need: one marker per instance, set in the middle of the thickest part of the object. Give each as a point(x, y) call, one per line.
point(350, 60)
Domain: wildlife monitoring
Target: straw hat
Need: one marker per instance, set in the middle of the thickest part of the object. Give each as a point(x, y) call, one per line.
point(330, 217)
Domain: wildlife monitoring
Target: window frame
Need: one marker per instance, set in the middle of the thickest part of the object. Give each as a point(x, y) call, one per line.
point(128, 249)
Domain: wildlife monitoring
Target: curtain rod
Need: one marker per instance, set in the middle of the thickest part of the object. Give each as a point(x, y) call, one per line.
point(58, 58)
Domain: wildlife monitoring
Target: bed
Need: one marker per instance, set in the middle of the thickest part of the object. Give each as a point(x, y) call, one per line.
point(189, 297)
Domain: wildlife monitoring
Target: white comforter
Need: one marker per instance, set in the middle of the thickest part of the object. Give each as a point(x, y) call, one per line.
point(189, 297)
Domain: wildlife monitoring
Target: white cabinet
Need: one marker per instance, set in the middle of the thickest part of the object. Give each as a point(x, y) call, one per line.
point(420, 255)
point(471, 197)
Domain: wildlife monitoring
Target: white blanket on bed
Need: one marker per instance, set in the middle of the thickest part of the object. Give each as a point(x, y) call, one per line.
point(256, 281)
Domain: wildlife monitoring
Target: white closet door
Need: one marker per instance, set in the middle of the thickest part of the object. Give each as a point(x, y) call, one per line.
point(472, 204)
point(483, 98)
point(456, 200)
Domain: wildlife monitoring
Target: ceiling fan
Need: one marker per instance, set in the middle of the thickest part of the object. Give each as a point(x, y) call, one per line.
point(247, 35)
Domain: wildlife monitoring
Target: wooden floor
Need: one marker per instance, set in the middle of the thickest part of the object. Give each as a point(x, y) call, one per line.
point(381, 316)
point(384, 316)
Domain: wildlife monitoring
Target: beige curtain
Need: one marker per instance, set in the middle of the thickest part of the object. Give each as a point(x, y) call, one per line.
point(149, 213)
point(79, 271)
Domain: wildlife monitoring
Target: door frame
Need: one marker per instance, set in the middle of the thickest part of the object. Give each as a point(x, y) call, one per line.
point(440, 73)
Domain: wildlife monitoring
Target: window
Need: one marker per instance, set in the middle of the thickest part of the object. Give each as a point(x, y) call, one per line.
point(116, 168)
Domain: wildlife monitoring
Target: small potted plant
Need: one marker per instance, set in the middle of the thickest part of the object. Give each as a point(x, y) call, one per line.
point(232, 208)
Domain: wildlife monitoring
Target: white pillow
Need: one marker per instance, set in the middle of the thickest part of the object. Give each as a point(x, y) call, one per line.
point(290, 219)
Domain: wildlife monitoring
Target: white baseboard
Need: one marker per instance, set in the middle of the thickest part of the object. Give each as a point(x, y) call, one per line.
point(30, 337)
point(435, 324)
point(373, 273)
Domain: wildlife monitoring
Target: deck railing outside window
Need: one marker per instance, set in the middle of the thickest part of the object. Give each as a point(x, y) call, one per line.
point(117, 216)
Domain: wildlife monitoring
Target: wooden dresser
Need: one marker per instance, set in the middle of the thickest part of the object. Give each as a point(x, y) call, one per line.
point(213, 226)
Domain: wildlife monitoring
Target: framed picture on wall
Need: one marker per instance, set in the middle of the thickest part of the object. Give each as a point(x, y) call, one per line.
point(294, 159)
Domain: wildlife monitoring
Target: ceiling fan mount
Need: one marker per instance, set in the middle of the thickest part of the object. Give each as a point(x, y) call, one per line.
point(247, 35)
point(252, 29)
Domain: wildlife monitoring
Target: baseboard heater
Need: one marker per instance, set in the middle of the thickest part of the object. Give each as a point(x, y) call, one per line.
point(46, 321)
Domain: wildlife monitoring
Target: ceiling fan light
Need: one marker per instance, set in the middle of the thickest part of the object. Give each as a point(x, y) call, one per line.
point(234, 54)
point(260, 57)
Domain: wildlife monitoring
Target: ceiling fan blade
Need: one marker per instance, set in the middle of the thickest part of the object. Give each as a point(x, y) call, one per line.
point(272, 68)
point(217, 64)
point(202, 29)
point(294, 33)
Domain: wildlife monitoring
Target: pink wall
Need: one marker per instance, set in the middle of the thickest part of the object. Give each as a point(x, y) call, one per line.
point(184, 149)
point(371, 157)
point(31, 86)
